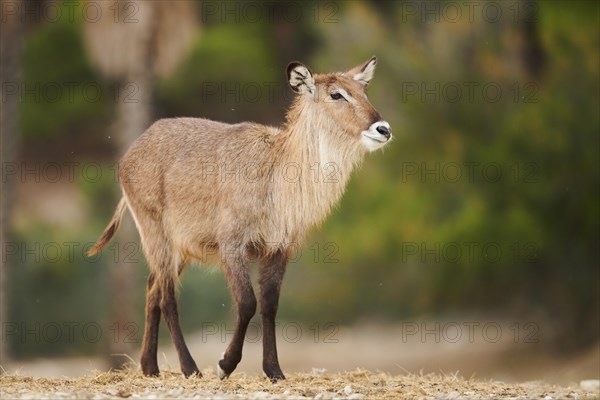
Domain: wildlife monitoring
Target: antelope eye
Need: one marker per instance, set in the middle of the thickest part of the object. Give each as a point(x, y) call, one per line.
point(336, 96)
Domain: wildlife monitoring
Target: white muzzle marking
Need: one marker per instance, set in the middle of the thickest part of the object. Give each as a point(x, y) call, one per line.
point(373, 138)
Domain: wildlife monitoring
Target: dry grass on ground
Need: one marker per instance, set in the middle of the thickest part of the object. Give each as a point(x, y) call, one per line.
point(350, 385)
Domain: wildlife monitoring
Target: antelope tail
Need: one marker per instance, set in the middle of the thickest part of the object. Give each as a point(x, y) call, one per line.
point(110, 230)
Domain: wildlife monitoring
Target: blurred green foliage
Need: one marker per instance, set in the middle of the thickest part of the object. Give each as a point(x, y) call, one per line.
point(542, 134)
point(199, 80)
point(61, 92)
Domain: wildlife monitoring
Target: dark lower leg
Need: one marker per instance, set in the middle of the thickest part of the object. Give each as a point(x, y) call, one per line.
point(168, 306)
point(243, 295)
point(149, 360)
point(271, 276)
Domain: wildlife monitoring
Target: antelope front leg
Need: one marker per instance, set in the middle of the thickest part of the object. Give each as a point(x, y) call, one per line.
point(239, 282)
point(271, 275)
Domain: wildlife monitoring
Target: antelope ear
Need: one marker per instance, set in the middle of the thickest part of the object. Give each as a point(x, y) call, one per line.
point(364, 73)
point(300, 78)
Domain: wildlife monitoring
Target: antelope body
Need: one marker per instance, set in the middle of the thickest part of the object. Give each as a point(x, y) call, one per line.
point(199, 188)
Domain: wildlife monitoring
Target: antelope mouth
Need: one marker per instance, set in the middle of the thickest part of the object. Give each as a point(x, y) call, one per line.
point(376, 136)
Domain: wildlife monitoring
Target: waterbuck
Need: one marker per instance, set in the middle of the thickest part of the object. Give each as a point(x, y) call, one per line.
point(197, 187)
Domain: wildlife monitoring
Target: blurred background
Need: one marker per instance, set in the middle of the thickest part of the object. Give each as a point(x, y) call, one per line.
point(470, 244)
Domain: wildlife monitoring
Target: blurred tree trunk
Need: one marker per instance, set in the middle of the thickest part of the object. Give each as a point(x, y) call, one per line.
point(532, 52)
point(133, 115)
point(133, 44)
point(290, 42)
point(11, 40)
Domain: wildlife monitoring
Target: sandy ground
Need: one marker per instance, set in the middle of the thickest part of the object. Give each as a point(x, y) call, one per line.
point(358, 384)
point(407, 367)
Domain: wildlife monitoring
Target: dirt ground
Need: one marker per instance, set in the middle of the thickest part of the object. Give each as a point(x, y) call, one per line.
point(359, 384)
point(383, 365)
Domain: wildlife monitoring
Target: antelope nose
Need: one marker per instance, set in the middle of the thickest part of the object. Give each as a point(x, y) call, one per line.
point(384, 130)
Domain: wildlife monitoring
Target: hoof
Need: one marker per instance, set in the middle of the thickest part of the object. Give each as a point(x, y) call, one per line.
point(150, 371)
point(193, 373)
point(224, 369)
point(190, 369)
point(220, 372)
point(275, 375)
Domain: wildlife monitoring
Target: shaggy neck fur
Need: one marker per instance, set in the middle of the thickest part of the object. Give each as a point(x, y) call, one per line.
point(314, 163)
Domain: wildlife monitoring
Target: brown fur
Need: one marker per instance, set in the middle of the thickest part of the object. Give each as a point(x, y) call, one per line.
point(197, 187)
point(110, 230)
